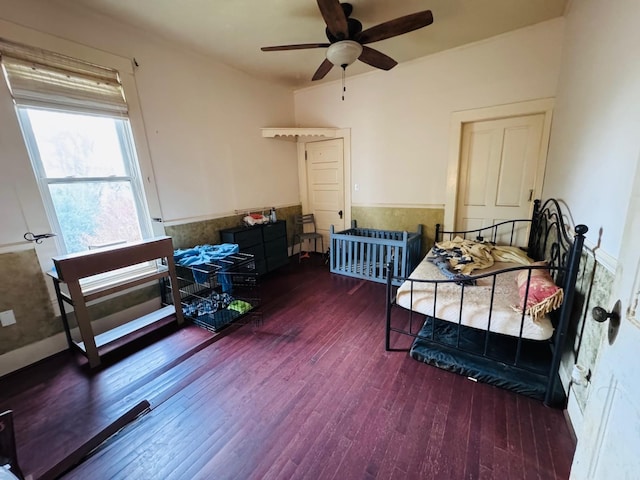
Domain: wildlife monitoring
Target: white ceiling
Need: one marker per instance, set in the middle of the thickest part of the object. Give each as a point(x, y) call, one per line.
point(233, 31)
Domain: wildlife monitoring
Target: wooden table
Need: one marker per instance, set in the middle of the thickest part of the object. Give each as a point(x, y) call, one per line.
point(71, 269)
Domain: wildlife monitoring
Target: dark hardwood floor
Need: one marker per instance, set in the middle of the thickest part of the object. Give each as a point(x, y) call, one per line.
point(307, 393)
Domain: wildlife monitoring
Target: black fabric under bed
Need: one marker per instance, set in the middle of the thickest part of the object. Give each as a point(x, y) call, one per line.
point(467, 358)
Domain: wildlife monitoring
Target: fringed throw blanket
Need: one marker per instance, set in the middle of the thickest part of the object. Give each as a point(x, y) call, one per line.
point(541, 296)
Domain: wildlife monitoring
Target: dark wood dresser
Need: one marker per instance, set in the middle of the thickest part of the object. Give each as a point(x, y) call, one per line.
point(268, 243)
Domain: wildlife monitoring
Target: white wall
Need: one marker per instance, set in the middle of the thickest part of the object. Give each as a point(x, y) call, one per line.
point(202, 118)
point(400, 119)
point(595, 139)
point(197, 129)
point(208, 152)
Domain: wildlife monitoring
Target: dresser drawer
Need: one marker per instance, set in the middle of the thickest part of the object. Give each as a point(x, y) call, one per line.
point(245, 238)
point(272, 231)
point(275, 247)
point(256, 250)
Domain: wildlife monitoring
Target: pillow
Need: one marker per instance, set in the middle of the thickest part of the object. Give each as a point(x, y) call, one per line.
point(544, 295)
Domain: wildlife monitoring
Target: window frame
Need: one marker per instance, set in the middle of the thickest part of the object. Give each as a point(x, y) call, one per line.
point(34, 211)
point(131, 164)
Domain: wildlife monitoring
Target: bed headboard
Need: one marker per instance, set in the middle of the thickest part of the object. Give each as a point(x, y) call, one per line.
point(549, 240)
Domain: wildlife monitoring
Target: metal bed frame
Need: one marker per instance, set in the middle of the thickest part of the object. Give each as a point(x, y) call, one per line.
point(525, 366)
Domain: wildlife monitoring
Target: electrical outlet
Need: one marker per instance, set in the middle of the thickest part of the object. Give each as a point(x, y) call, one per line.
point(7, 318)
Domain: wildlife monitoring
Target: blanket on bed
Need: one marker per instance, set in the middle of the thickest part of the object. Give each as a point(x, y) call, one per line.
point(464, 256)
point(482, 306)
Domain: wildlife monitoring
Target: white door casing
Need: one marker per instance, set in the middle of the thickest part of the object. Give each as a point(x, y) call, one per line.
point(501, 112)
point(498, 166)
point(319, 190)
point(609, 442)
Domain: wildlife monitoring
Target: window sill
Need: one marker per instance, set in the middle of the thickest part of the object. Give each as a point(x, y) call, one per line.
point(99, 286)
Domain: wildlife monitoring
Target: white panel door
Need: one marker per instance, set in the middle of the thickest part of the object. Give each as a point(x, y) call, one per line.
point(498, 165)
point(609, 443)
point(325, 183)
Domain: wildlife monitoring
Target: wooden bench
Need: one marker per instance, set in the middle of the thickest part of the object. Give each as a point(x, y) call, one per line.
point(71, 269)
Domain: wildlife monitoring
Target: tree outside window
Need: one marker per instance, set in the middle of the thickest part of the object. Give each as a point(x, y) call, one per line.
point(88, 176)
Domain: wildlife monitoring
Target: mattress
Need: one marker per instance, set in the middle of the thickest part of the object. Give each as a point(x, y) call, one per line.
point(465, 354)
point(475, 310)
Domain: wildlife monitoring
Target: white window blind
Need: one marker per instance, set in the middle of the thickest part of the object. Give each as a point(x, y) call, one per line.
point(38, 77)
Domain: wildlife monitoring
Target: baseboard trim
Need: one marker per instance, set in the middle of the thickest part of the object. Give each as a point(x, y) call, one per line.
point(34, 352)
point(574, 416)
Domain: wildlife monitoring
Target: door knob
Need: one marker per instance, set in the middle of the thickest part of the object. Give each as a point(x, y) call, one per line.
point(600, 315)
point(340, 213)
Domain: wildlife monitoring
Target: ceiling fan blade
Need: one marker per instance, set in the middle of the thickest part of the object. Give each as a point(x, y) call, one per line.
point(376, 59)
point(300, 46)
point(322, 70)
point(395, 27)
point(335, 18)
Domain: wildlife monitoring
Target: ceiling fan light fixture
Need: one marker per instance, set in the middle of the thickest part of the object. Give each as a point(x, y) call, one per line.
point(344, 53)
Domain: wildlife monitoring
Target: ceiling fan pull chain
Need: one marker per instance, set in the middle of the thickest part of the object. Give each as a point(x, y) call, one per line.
point(344, 87)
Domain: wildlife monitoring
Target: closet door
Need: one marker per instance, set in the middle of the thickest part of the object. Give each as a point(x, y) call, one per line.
point(498, 168)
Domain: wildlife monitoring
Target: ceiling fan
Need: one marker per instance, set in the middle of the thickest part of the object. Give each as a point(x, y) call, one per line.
point(348, 42)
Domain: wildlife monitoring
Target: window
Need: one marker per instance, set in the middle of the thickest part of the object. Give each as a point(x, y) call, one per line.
point(88, 176)
point(74, 119)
